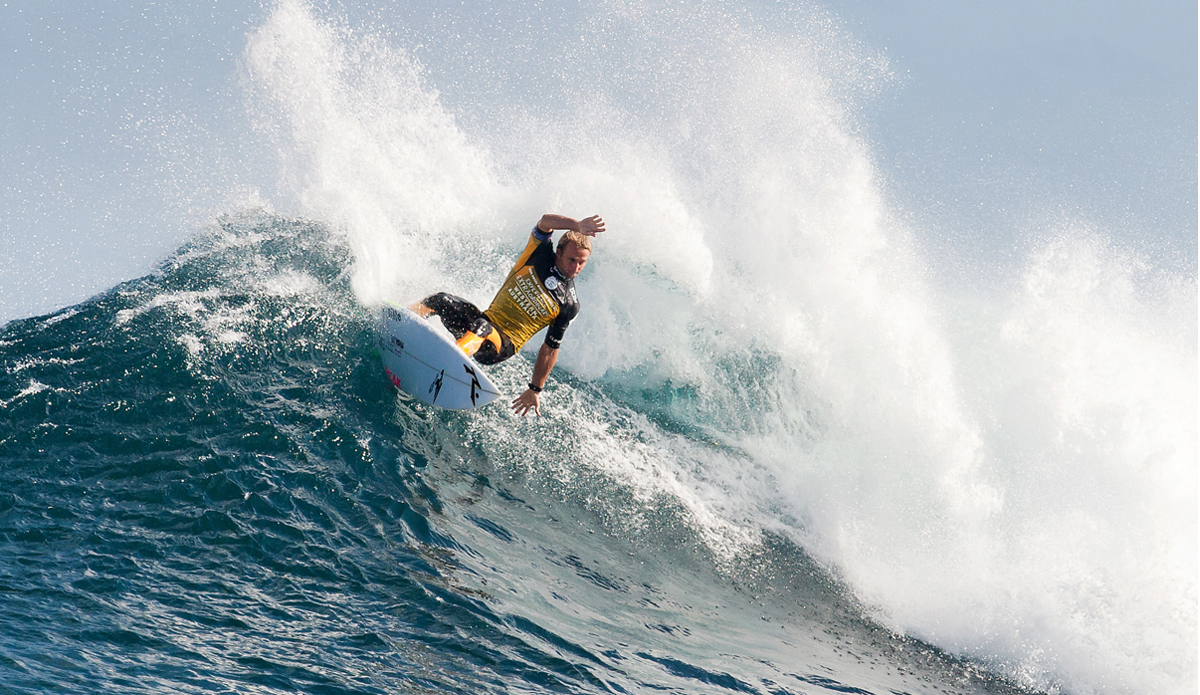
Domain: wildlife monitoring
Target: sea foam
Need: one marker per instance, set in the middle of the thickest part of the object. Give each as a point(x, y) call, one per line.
point(1005, 471)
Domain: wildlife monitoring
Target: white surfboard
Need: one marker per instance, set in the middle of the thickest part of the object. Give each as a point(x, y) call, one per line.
point(426, 364)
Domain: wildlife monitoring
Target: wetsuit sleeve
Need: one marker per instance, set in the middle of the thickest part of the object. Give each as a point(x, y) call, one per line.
point(536, 240)
point(554, 334)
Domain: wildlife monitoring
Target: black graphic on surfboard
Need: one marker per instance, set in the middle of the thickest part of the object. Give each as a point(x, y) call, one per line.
point(416, 351)
point(474, 383)
point(437, 384)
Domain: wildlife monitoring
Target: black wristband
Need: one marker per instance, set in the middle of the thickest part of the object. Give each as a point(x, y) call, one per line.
point(535, 389)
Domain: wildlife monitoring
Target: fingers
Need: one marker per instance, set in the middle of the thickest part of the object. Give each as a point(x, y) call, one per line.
point(592, 225)
point(522, 405)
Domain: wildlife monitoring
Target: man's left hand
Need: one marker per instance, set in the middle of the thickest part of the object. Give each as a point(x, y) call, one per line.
point(525, 402)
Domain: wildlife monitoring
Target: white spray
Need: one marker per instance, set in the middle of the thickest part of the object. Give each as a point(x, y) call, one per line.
point(1011, 476)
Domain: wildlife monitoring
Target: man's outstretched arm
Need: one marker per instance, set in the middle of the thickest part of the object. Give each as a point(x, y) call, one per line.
point(528, 400)
point(589, 226)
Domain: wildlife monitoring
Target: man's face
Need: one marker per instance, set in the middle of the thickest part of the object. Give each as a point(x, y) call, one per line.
point(571, 259)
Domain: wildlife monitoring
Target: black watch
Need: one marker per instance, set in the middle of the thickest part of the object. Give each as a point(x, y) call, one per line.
point(535, 389)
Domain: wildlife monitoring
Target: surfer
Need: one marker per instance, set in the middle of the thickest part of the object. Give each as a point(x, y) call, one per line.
point(538, 292)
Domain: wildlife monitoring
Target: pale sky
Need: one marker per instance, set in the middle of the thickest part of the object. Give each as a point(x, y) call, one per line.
point(123, 129)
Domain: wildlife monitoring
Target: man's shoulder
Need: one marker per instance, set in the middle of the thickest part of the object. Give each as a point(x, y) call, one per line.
point(540, 252)
point(539, 242)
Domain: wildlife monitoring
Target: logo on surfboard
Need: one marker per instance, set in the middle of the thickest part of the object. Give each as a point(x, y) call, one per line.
point(437, 383)
point(474, 383)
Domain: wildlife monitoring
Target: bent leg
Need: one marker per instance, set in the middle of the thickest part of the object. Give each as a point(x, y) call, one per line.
point(457, 314)
point(476, 336)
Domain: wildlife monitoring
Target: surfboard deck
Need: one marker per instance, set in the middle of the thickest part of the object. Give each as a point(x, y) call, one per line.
point(427, 365)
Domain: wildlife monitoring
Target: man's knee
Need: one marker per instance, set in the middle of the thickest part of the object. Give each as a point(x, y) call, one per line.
point(456, 313)
point(442, 303)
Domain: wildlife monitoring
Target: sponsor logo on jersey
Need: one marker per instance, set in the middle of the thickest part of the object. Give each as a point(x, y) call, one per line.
point(530, 298)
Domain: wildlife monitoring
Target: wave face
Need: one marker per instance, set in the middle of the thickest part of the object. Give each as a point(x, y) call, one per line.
point(777, 455)
point(210, 488)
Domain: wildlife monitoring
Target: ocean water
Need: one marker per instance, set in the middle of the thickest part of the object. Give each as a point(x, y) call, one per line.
point(780, 453)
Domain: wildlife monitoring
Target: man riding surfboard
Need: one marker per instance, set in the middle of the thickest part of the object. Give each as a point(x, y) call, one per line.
point(538, 292)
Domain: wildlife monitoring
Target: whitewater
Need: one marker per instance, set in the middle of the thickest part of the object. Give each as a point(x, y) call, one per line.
point(780, 452)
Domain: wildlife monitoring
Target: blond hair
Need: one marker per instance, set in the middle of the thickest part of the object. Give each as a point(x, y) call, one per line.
point(583, 241)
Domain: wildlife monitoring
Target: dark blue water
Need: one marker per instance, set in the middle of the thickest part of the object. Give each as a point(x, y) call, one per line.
point(208, 486)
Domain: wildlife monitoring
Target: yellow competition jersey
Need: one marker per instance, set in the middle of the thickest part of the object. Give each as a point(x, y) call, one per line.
point(534, 295)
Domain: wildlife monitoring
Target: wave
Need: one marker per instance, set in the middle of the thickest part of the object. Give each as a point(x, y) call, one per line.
point(1008, 472)
point(768, 387)
point(209, 485)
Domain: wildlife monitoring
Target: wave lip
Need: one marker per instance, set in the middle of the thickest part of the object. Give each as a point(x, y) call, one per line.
point(958, 455)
